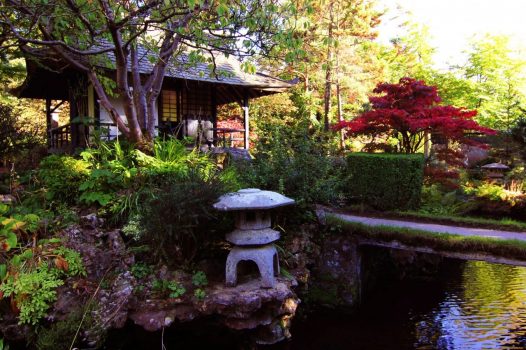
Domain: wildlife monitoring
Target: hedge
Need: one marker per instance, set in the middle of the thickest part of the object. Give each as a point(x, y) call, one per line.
point(385, 181)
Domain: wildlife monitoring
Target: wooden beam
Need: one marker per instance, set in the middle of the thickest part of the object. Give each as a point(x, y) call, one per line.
point(55, 107)
point(239, 97)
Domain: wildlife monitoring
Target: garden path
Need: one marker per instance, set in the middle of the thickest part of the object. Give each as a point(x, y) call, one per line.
point(456, 230)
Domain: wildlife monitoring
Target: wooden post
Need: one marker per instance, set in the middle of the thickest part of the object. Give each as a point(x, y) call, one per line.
point(48, 121)
point(246, 122)
point(213, 88)
point(73, 113)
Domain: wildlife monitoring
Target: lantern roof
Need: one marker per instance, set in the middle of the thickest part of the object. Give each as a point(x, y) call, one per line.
point(250, 199)
point(498, 166)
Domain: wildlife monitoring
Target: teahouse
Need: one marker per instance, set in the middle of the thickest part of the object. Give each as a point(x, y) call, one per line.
point(187, 106)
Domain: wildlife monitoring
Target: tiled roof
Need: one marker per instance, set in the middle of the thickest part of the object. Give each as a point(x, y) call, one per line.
point(228, 71)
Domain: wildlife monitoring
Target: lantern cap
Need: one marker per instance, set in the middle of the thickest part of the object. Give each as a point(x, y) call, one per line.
point(250, 199)
point(498, 166)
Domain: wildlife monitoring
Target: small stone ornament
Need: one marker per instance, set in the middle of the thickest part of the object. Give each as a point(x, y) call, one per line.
point(253, 237)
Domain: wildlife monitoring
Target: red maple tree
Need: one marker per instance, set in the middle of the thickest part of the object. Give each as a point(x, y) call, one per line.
point(409, 110)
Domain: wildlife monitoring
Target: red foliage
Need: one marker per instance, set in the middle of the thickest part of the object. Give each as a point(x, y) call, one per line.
point(446, 178)
point(408, 109)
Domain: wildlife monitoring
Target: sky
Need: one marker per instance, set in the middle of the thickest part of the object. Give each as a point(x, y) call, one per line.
point(452, 23)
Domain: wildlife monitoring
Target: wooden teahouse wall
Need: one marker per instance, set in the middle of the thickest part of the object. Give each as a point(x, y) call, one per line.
point(195, 105)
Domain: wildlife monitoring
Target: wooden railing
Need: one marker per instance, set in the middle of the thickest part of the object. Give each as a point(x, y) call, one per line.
point(60, 137)
point(228, 137)
point(64, 139)
point(107, 130)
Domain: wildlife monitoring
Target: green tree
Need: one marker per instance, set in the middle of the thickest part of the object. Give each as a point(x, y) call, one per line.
point(409, 55)
point(332, 32)
point(498, 78)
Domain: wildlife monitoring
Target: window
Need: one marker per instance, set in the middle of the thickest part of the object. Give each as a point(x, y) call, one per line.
point(169, 106)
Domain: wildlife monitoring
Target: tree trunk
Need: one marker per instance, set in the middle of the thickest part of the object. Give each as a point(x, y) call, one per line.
point(328, 71)
point(340, 114)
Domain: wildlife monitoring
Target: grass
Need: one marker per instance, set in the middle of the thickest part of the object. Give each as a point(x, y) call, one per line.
point(502, 224)
point(440, 242)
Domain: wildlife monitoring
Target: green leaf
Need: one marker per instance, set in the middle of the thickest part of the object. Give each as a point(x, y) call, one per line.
point(4, 208)
point(3, 272)
point(11, 239)
point(222, 9)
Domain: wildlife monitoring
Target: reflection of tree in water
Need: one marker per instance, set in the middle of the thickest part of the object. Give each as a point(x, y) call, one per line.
point(486, 310)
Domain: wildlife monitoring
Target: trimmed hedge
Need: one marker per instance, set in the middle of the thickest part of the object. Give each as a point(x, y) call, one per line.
point(385, 181)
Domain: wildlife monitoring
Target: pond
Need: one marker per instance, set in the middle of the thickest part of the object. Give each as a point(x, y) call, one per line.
point(462, 305)
point(468, 305)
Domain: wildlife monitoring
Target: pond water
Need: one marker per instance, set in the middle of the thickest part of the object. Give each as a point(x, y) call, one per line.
point(460, 306)
point(469, 305)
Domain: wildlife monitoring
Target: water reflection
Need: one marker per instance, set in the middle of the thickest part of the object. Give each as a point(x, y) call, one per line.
point(476, 305)
point(486, 310)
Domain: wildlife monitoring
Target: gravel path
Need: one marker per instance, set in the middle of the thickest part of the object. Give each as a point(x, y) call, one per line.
point(456, 230)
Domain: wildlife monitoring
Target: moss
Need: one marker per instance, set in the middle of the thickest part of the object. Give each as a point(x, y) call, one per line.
point(323, 294)
point(331, 291)
point(510, 249)
point(58, 335)
point(61, 334)
point(502, 224)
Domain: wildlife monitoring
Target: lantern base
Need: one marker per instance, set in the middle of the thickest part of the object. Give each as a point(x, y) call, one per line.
point(265, 257)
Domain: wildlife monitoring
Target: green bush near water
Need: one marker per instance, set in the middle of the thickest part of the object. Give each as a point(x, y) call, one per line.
point(385, 181)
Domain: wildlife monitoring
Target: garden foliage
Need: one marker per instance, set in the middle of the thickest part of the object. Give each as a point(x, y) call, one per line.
point(61, 177)
point(164, 199)
point(385, 181)
point(295, 160)
point(31, 269)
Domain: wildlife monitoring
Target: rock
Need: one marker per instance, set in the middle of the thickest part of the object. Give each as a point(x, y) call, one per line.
point(91, 221)
point(7, 199)
point(263, 314)
point(245, 307)
point(337, 276)
point(233, 153)
point(252, 237)
point(113, 304)
point(252, 199)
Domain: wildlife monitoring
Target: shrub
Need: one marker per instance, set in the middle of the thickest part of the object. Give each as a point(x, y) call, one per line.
point(385, 181)
point(113, 169)
point(62, 176)
point(177, 215)
point(295, 160)
point(437, 202)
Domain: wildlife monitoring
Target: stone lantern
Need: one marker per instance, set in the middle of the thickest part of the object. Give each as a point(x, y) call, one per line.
point(253, 237)
point(495, 170)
